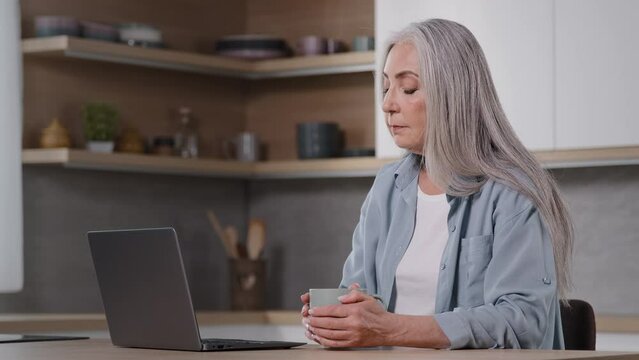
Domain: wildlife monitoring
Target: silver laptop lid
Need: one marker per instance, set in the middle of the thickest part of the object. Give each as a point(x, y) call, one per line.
point(144, 289)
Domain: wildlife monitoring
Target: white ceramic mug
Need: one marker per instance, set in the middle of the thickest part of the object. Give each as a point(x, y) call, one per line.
point(325, 297)
point(245, 147)
point(363, 43)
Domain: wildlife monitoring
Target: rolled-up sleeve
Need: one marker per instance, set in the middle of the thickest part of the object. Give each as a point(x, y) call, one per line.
point(519, 290)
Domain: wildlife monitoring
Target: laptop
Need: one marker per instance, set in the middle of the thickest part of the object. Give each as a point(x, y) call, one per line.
point(146, 294)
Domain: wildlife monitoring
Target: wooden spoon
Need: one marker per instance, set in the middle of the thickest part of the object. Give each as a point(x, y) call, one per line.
point(215, 223)
point(232, 241)
point(256, 238)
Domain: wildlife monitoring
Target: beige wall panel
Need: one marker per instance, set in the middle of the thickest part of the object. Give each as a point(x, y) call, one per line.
point(146, 99)
point(276, 106)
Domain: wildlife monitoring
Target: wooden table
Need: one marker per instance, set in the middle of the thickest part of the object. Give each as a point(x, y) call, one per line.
point(102, 349)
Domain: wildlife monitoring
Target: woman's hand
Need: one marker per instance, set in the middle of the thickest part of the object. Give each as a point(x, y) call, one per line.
point(359, 321)
point(306, 298)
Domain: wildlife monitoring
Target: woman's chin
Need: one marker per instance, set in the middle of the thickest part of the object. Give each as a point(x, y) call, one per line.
point(408, 146)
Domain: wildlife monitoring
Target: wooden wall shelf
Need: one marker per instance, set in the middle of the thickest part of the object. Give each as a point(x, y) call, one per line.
point(558, 159)
point(81, 159)
point(324, 168)
point(71, 47)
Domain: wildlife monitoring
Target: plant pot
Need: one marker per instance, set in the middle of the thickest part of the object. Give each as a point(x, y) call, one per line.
point(100, 146)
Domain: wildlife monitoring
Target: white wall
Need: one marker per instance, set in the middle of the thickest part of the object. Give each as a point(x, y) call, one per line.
point(597, 73)
point(517, 39)
point(565, 70)
point(11, 269)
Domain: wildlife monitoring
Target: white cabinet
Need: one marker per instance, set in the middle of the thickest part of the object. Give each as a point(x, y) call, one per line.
point(597, 81)
point(11, 265)
point(517, 39)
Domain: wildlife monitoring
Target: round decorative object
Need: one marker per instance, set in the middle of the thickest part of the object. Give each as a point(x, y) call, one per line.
point(55, 136)
point(130, 141)
point(163, 145)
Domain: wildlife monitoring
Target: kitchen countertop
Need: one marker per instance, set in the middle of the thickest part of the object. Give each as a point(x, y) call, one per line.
point(78, 322)
point(19, 323)
point(102, 349)
point(616, 333)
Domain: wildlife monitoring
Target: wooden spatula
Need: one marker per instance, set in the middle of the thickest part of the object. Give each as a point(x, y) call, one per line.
point(256, 238)
point(232, 241)
point(225, 236)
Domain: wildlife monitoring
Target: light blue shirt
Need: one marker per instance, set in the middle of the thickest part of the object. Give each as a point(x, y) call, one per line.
point(497, 283)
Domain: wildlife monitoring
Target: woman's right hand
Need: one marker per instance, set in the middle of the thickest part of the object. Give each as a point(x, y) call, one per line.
point(306, 299)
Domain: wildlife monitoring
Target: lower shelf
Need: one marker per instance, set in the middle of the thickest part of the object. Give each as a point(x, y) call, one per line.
point(82, 159)
point(324, 168)
point(573, 158)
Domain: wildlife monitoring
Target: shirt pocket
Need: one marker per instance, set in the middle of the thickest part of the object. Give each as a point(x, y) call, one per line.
point(475, 255)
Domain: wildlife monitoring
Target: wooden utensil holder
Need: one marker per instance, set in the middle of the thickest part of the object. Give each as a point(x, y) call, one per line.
point(248, 282)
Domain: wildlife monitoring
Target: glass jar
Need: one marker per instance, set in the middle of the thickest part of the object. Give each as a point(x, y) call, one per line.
point(186, 137)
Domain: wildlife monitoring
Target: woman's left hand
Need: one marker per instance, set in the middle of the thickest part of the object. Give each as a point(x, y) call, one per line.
point(359, 321)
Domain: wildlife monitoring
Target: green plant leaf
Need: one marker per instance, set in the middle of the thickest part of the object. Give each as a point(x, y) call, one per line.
point(100, 121)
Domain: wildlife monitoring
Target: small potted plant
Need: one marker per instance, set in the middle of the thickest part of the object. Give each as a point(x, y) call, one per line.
point(100, 125)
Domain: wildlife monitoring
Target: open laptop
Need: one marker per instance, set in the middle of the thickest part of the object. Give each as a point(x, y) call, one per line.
point(146, 295)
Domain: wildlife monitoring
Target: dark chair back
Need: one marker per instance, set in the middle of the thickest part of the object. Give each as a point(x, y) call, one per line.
point(578, 320)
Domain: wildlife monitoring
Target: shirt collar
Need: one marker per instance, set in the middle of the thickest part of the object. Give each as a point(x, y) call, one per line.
point(408, 170)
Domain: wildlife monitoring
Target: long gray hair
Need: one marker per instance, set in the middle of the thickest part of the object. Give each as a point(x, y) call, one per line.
point(469, 136)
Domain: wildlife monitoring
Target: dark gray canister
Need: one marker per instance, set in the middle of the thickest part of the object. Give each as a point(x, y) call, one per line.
point(318, 140)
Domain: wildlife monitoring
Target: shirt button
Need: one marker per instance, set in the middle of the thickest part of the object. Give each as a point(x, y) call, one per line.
point(453, 228)
point(443, 267)
point(546, 281)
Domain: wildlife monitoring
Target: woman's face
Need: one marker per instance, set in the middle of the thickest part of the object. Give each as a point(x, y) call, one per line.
point(404, 103)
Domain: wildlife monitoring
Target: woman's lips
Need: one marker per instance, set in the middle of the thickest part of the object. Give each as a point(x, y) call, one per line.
point(395, 128)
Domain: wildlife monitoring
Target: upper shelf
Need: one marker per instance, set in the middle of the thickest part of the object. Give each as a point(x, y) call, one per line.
point(325, 168)
point(72, 47)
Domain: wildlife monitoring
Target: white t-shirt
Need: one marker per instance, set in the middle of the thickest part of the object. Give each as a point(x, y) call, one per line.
point(417, 272)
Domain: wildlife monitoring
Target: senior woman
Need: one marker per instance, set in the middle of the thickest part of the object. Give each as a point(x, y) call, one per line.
point(466, 239)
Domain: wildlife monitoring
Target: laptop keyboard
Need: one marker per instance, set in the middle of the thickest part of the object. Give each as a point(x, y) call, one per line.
point(232, 341)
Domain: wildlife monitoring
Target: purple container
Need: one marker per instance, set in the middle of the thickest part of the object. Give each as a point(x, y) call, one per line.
point(56, 25)
point(311, 45)
point(99, 31)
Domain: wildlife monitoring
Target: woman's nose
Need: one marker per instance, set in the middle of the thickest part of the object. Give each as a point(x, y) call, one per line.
point(388, 104)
